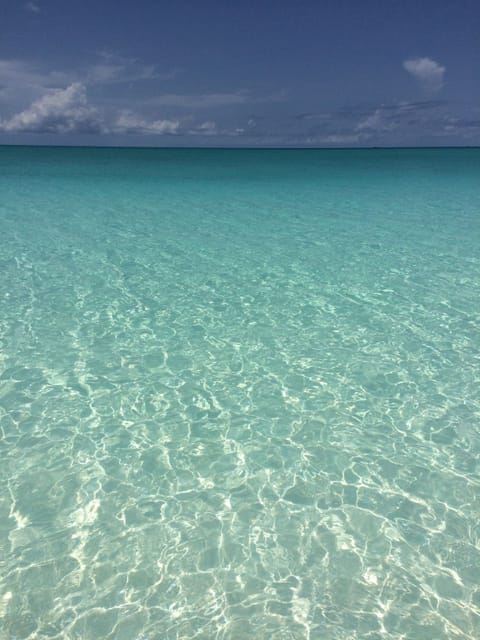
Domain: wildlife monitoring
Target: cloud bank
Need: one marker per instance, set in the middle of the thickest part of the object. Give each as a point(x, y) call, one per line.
point(93, 100)
point(57, 111)
point(68, 111)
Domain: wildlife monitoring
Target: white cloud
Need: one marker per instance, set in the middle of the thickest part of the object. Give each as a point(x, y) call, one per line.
point(213, 100)
point(207, 128)
point(22, 81)
point(57, 111)
point(340, 138)
point(32, 6)
point(377, 121)
point(113, 68)
point(129, 122)
point(66, 109)
point(428, 72)
point(204, 100)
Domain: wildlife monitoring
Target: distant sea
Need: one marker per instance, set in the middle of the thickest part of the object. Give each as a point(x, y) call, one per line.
point(239, 394)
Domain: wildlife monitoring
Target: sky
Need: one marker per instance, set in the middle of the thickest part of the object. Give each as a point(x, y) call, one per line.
point(247, 73)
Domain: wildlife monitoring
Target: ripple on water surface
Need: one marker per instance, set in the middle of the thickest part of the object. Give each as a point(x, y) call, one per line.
point(239, 394)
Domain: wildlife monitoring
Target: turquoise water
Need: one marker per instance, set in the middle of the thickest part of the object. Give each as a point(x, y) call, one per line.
point(239, 394)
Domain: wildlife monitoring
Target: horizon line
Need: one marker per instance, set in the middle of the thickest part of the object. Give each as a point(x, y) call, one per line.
point(235, 148)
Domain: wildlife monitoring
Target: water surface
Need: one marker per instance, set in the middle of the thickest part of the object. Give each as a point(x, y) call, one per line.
point(239, 394)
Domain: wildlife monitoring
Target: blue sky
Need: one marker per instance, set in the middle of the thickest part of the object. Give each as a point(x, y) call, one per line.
point(246, 73)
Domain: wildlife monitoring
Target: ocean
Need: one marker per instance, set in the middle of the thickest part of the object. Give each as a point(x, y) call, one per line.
point(239, 394)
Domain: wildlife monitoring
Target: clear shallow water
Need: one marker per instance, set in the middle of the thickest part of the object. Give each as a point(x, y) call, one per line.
point(239, 394)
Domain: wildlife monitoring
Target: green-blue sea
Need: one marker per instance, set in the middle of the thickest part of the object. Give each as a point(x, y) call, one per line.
point(239, 394)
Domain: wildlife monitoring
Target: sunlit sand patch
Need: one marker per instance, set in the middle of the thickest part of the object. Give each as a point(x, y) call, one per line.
point(22, 521)
point(370, 577)
point(300, 609)
point(4, 600)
